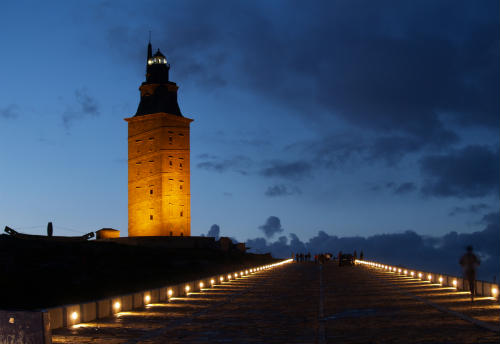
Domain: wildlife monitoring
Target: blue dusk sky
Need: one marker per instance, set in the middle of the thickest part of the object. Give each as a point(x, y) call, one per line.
point(344, 118)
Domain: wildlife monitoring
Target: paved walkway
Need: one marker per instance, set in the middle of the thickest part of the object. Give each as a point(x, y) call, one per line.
point(303, 303)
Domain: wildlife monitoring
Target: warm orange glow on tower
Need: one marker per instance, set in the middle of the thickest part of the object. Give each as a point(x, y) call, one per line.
point(159, 198)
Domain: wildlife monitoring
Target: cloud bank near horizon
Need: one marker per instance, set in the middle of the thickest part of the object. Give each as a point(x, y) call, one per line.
point(436, 254)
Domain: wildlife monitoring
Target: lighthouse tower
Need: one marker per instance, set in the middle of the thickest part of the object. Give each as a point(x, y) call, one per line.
point(159, 198)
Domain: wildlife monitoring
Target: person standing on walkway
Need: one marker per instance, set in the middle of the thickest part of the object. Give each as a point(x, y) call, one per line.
point(469, 263)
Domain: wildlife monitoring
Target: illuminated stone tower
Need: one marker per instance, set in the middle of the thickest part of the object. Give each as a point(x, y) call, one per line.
point(159, 198)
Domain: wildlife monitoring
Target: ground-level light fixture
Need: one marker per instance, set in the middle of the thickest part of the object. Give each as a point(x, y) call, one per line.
point(147, 299)
point(201, 285)
point(170, 292)
point(74, 315)
point(117, 306)
point(212, 281)
point(187, 288)
point(494, 292)
point(454, 283)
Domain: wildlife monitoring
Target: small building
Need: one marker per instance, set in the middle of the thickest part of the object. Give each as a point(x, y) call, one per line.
point(107, 233)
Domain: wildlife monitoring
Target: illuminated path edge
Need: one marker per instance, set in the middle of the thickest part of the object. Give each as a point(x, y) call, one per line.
point(404, 272)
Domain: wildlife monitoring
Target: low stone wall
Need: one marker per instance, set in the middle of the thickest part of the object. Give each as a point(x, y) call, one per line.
point(34, 327)
point(483, 288)
point(69, 315)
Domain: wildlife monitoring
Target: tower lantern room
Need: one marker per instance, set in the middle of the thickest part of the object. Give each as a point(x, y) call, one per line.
point(159, 198)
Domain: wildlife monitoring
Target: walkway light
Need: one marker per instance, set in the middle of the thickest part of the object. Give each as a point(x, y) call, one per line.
point(412, 274)
point(212, 281)
point(187, 288)
point(117, 306)
point(455, 283)
point(201, 285)
point(170, 293)
point(399, 270)
point(441, 279)
point(420, 275)
point(494, 292)
point(429, 277)
point(228, 277)
point(406, 272)
point(221, 279)
point(74, 315)
point(147, 299)
point(246, 272)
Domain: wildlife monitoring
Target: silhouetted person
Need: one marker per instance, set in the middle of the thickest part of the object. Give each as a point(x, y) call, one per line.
point(50, 230)
point(470, 262)
point(361, 255)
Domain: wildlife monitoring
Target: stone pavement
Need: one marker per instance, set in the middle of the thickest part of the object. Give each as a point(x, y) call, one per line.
point(303, 303)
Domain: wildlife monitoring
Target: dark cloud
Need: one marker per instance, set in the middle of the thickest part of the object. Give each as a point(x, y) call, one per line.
point(388, 68)
point(405, 188)
point(469, 172)
point(240, 164)
point(435, 254)
point(272, 226)
point(9, 112)
point(214, 231)
point(331, 151)
point(406, 74)
point(282, 190)
point(294, 170)
point(396, 188)
point(471, 209)
point(392, 149)
point(85, 107)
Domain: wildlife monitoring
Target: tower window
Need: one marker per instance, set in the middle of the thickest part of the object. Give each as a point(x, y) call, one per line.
point(170, 163)
point(151, 192)
point(182, 213)
point(151, 217)
point(180, 165)
point(170, 139)
point(171, 233)
point(182, 234)
point(180, 186)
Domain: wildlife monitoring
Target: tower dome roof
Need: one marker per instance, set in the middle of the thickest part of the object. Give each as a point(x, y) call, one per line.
point(158, 54)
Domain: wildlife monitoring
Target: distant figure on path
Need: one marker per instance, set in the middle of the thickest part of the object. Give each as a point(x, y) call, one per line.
point(361, 255)
point(469, 263)
point(50, 229)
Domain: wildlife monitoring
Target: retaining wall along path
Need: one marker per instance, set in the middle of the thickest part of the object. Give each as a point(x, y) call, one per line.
point(35, 326)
